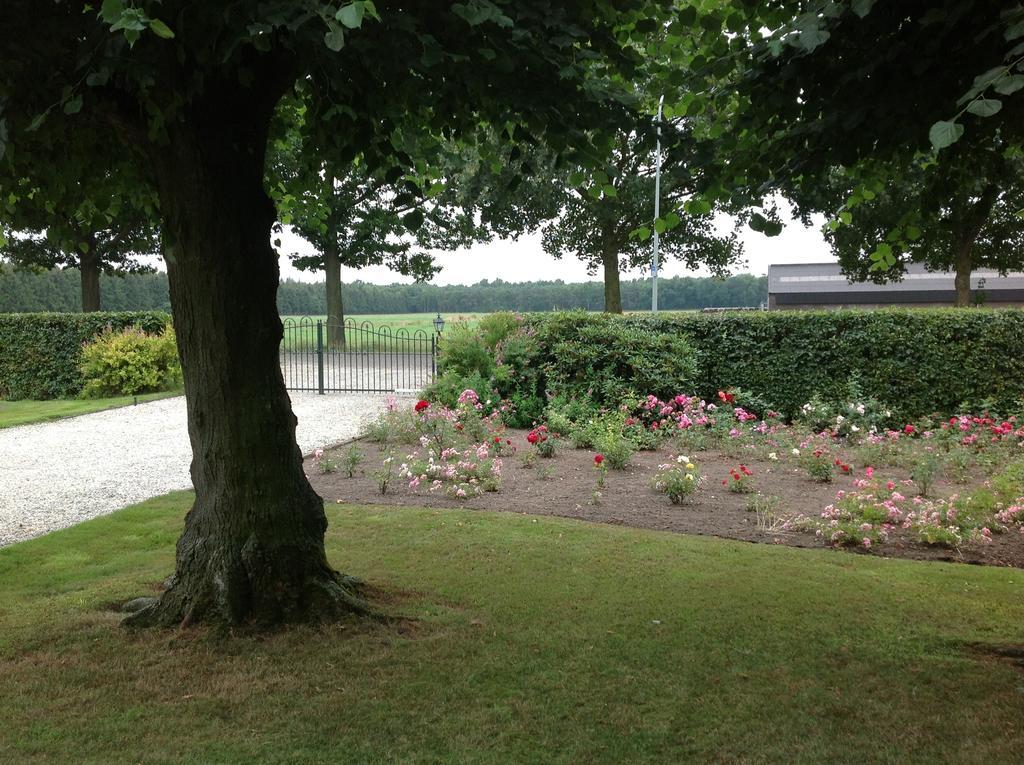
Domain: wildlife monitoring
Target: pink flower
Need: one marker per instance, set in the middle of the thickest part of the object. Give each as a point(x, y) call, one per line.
point(866, 542)
point(869, 472)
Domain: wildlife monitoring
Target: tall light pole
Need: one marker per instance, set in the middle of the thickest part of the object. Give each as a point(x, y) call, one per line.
point(657, 213)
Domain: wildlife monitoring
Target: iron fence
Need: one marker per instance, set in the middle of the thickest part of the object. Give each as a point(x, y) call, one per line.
point(318, 356)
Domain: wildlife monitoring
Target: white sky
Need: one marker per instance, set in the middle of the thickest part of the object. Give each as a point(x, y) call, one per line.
point(524, 260)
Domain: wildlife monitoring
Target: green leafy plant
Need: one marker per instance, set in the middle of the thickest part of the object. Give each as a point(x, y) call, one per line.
point(766, 512)
point(386, 473)
point(818, 464)
point(463, 351)
point(924, 472)
point(323, 462)
point(739, 480)
point(130, 361)
point(543, 441)
point(617, 449)
point(352, 459)
point(677, 479)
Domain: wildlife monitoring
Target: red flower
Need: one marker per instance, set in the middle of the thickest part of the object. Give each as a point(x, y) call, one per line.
point(746, 470)
point(837, 462)
point(508, 441)
point(725, 483)
point(532, 437)
point(909, 430)
point(598, 459)
point(735, 476)
point(727, 398)
point(421, 405)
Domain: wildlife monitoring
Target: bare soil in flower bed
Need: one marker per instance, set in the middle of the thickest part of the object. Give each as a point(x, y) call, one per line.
point(564, 486)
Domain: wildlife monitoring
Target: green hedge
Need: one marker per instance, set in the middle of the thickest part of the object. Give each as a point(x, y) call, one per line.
point(917, 361)
point(40, 353)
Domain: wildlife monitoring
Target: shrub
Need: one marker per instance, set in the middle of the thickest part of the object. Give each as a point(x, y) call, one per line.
point(130, 361)
point(447, 388)
point(819, 465)
point(924, 471)
point(677, 479)
point(617, 449)
point(42, 352)
point(916, 361)
point(463, 351)
point(518, 376)
point(606, 359)
point(544, 442)
point(738, 481)
point(494, 328)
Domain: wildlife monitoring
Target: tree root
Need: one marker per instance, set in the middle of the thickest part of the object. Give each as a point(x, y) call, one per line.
point(318, 599)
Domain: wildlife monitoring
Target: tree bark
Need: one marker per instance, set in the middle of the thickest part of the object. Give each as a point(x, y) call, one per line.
point(962, 277)
point(612, 293)
point(89, 269)
point(970, 231)
point(252, 550)
point(335, 307)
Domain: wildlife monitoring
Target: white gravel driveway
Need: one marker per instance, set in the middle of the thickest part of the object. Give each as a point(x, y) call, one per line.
point(56, 474)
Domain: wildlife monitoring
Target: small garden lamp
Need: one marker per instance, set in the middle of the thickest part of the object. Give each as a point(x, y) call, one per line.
point(439, 324)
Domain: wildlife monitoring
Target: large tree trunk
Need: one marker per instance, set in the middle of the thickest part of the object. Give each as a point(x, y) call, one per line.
point(89, 269)
point(962, 278)
point(612, 294)
point(335, 307)
point(253, 545)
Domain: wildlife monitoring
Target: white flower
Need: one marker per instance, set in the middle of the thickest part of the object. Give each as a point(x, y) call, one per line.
point(860, 409)
point(689, 476)
point(855, 429)
point(682, 458)
point(887, 413)
point(839, 419)
point(796, 452)
point(773, 456)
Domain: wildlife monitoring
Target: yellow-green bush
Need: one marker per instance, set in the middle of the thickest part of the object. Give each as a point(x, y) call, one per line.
point(130, 361)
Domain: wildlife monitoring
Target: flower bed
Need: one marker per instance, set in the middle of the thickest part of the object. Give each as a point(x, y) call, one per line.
point(949, 490)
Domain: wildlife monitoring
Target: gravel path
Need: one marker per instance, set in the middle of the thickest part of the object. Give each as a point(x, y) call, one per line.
point(56, 474)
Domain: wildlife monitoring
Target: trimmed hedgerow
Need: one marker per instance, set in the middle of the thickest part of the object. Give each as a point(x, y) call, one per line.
point(41, 353)
point(916, 361)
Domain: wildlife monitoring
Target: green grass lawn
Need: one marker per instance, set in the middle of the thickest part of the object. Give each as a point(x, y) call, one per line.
point(533, 640)
point(26, 412)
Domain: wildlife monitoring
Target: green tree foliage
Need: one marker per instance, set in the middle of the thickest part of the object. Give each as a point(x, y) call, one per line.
point(97, 226)
point(355, 217)
point(186, 91)
point(957, 215)
point(794, 114)
point(607, 225)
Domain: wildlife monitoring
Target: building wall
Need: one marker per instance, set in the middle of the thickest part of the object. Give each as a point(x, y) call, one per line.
point(822, 285)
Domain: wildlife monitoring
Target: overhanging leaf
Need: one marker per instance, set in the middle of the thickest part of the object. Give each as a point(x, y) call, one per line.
point(351, 15)
point(985, 107)
point(160, 29)
point(944, 133)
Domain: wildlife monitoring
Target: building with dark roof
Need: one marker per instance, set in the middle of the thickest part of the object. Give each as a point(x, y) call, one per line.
point(823, 285)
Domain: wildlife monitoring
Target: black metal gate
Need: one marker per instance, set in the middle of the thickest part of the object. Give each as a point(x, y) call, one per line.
point(317, 356)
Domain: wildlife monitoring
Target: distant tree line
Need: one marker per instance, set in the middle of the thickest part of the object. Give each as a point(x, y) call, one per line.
point(59, 290)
